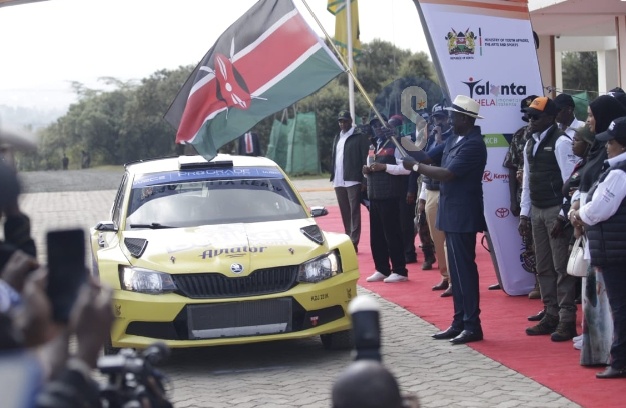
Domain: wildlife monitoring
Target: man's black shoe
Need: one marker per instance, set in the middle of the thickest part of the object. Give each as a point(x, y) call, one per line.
point(537, 317)
point(447, 293)
point(443, 285)
point(495, 287)
point(448, 333)
point(611, 372)
point(467, 336)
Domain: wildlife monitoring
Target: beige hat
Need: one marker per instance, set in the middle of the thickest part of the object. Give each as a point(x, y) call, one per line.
point(465, 105)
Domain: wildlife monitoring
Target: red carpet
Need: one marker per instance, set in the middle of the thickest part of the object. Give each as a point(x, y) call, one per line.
point(555, 365)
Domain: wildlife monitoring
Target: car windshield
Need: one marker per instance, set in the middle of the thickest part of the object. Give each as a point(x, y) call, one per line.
point(188, 203)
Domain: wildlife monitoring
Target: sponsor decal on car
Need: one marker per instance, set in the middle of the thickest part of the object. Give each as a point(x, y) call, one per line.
point(212, 253)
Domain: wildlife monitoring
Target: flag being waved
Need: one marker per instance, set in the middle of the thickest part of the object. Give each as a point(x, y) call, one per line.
point(338, 9)
point(267, 60)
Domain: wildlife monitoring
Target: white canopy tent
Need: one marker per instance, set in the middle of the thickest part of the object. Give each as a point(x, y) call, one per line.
point(581, 25)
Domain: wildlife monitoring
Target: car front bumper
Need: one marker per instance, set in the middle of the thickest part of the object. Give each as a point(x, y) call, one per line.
point(305, 310)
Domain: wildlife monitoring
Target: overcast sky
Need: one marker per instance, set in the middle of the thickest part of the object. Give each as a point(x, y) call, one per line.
point(46, 45)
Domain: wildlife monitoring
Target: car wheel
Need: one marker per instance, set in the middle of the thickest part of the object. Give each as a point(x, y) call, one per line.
point(108, 349)
point(341, 340)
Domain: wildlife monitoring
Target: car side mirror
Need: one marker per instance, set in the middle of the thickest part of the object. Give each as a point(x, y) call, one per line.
point(106, 226)
point(318, 211)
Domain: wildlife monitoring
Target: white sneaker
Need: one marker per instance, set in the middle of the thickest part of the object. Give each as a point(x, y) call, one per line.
point(376, 277)
point(394, 277)
point(578, 345)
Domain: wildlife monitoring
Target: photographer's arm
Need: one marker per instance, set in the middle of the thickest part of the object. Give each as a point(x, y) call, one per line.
point(91, 320)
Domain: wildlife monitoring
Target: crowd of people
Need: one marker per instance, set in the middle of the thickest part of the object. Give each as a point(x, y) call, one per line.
point(567, 178)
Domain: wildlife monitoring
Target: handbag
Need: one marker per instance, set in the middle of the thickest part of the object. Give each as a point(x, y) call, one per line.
point(576, 264)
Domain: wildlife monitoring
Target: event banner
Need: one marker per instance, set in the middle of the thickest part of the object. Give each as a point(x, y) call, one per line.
point(485, 49)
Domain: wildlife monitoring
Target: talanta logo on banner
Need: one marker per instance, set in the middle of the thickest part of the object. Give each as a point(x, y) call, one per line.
point(486, 50)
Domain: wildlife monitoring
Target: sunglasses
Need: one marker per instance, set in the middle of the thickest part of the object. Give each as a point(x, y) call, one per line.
point(536, 117)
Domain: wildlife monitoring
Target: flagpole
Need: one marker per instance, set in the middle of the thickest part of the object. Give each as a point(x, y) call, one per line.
point(358, 84)
point(350, 58)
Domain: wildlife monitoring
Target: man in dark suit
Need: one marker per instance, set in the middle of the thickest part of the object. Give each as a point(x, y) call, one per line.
point(249, 144)
point(460, 214)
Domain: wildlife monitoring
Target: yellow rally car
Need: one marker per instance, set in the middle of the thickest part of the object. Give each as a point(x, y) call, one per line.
point(222, 252)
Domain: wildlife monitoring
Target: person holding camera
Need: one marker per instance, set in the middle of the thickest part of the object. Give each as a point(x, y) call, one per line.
point(34, 347)
point(367, 383)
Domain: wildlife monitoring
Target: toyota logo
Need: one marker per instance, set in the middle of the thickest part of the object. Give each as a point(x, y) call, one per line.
point(502, 212)
point(236, 268)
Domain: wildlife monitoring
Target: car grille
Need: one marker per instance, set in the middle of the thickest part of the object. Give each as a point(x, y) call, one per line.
point(251, 318)
point(216, 285)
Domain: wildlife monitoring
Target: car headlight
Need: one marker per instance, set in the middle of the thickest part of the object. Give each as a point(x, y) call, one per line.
point(319, 269)
point(146, 281)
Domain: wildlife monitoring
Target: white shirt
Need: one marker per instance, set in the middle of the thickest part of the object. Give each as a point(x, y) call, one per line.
point(398, 168)
point(565, 158)
point(606, 199)
point(338, 181)
point(422, 191)
point(571, 129)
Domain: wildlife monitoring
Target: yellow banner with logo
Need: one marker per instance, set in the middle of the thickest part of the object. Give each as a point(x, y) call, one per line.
point(338, 9)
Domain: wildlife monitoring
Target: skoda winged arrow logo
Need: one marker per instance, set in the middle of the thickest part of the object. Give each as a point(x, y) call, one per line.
point(236, 268)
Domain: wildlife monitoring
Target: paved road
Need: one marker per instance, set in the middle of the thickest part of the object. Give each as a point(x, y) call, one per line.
point(293, 373)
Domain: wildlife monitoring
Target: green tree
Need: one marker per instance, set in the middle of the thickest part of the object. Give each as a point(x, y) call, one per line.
point(580, 72)
point(126, 123)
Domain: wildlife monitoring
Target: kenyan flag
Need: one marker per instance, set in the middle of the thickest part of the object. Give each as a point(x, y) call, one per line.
point(267, 60)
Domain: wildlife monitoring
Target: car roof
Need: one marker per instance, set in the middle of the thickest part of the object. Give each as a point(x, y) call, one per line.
point(174, 163)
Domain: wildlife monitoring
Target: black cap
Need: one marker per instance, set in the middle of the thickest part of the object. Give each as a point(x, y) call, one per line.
point(542, 104)
point(344, 115)
point(616, 131)
point(563, 100)
point(438, 110)
point(375, 119)
point(525, 103)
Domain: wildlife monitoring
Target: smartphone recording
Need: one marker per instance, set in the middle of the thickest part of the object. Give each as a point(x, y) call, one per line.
point(66, 270)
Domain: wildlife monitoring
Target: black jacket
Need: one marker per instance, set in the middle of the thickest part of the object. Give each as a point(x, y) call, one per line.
point(354, 156)
point(607, 241)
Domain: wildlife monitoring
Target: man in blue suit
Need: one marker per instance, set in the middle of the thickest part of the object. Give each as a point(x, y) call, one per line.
point(460, 214)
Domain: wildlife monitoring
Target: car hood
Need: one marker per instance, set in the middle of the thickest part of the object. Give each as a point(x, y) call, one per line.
point(227, 248)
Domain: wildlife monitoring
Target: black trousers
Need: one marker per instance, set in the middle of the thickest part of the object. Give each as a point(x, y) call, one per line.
point(407, 224)
point(464, 277)
point(386, 237)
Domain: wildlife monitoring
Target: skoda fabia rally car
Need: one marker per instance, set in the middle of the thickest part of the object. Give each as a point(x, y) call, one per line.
point(222, 252)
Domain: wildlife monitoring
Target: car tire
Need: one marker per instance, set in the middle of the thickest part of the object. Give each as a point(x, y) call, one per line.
point(341, 340)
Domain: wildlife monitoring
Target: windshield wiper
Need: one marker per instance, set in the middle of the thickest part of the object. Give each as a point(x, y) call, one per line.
point(154, 225)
